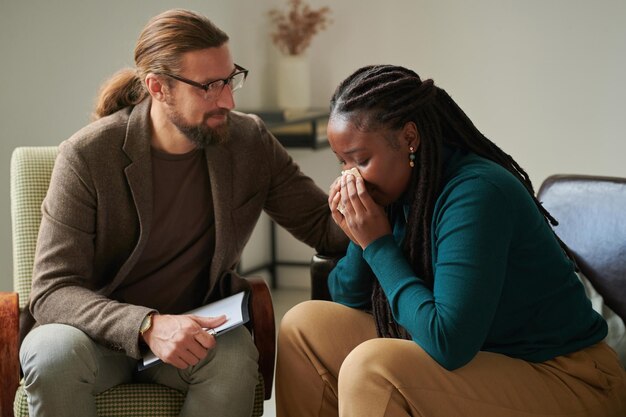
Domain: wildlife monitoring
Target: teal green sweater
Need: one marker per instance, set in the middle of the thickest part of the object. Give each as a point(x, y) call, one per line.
point(502, 282)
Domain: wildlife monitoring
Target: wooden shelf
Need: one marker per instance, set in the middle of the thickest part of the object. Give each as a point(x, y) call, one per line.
point(297, 129)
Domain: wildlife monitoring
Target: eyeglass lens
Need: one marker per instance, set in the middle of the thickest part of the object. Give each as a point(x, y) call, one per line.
point(235, 82)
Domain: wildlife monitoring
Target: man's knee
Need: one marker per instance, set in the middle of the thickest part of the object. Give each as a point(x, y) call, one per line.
point(57, 350)
point(234, 355)
point(237, 349)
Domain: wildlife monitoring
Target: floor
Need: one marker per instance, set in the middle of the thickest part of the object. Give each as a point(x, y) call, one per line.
point(283, 300)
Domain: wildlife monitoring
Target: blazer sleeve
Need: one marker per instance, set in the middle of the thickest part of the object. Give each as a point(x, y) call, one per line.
point(64, 288)
point(296, 203)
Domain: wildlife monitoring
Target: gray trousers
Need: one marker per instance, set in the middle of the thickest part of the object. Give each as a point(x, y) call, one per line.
point(64, 369)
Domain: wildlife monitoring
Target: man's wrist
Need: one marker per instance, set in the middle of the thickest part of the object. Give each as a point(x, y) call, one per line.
point(146, 324)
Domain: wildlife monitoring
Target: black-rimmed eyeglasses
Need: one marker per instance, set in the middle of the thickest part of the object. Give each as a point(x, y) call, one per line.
point(213, 89)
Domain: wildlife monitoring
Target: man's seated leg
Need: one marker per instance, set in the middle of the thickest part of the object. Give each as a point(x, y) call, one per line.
point(222, 384)
point(64, 369)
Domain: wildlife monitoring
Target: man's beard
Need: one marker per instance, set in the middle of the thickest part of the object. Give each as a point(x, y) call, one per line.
point(201, 135)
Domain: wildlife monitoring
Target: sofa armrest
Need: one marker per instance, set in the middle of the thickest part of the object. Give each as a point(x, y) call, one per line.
point(321, 265)
point(9, 359)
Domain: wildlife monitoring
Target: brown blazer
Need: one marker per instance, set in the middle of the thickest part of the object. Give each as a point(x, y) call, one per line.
point(97, 218)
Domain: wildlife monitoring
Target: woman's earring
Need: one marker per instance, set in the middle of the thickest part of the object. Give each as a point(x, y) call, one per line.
point(411, 156)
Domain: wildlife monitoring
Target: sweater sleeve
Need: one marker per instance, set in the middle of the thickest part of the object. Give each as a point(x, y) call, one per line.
point(350, 282)
point(472, 229)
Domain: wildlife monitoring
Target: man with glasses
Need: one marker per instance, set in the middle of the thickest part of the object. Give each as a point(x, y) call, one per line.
point(147, 214)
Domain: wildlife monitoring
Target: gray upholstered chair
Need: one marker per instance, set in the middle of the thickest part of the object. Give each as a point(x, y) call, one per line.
point(591, 212)
point(30, 175)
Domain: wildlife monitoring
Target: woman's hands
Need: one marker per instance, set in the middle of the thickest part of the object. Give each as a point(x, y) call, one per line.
point(334, 199)
point(361, 219)
point(181, 340)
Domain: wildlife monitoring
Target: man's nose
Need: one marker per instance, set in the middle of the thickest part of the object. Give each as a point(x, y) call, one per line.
point(226, 100)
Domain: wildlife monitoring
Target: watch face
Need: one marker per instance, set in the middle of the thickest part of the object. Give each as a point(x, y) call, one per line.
point(146, 323)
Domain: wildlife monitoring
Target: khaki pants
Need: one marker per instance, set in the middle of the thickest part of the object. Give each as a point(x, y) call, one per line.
point(331, 363)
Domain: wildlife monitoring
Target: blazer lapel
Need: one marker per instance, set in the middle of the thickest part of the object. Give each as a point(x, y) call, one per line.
point(139, 177)
point(219, 162)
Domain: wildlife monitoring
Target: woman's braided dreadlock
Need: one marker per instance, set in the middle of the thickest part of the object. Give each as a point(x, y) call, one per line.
point(390, 96)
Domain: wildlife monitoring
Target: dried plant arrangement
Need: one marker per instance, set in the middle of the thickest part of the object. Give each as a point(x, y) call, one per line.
point(296, 27)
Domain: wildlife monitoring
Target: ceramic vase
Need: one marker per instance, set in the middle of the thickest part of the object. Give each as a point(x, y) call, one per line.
point(293, 82)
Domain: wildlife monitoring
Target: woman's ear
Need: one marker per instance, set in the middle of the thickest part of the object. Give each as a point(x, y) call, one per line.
point(410, 135)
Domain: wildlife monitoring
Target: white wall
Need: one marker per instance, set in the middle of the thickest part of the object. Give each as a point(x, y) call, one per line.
point(542, 78)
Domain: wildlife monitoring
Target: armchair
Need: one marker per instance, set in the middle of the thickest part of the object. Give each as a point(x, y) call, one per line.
point(31, 168)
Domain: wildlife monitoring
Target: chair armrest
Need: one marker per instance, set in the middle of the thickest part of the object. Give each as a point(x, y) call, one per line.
point(9, 359)
point(263, 329)
point(321, 265)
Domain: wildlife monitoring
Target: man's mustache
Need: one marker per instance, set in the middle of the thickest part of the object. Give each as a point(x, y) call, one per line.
point(220, 112)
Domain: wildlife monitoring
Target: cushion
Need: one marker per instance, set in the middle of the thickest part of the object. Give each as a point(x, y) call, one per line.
point(138, 400)
point(617, 330)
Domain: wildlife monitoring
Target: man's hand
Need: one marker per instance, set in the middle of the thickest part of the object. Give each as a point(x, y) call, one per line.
point(181, 340)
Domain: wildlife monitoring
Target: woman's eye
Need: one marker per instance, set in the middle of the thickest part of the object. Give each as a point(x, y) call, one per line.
point(363, 162)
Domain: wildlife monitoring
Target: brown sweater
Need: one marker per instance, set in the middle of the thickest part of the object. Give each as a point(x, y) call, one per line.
point(183, 232)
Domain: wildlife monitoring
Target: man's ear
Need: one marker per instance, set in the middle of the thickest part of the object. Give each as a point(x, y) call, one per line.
point(411, 135)
point(156, 87)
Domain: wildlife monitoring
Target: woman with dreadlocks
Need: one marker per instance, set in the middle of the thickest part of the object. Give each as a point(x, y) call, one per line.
point(455, 298)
